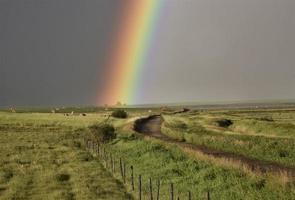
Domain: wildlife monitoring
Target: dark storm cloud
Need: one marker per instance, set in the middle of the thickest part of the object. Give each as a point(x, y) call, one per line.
point(53, 51)
point(219, 50)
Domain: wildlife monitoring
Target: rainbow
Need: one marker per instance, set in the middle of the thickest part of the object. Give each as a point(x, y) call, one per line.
point(131, 47)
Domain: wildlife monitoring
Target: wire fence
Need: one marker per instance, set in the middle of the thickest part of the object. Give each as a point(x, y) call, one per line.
point(140, 188)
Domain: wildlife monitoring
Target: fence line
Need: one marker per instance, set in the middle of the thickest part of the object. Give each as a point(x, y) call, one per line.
point(109, 162)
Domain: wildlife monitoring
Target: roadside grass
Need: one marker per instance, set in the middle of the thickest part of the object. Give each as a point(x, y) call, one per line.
point(42, 157)
point(155, 160)
point(193, 129)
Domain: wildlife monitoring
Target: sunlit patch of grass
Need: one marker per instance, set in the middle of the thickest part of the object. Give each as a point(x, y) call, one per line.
point(243, 136)
point(157, 160)
point(42, 157)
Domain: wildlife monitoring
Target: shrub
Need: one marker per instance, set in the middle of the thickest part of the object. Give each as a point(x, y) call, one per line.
point(120, 114)
point(63, 177)
point(283, 153)
point(8, 174)
point(225, 123)
point(103, 133)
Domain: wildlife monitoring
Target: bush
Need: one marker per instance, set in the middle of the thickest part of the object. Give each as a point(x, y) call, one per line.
point(103, 133)
point(63, 177)
point(224, 123)
point(120, 114)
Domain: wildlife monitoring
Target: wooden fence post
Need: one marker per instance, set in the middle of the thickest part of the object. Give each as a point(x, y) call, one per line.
point(139, 186)
point(88, 144)
point(158, 189)
point(106, 159)
point(104, 154)
point(151, 189)
point(97, 150)
point(121, 167)
point(111, 159)
point(208, 195)
point(132, 178)
point(101, 152)
point(124, 172)
point(171, 191)
point(189, 195)
point(94, 149)
point(114, 165)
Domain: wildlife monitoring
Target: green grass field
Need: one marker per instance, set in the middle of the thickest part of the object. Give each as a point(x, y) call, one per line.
point(268, 136)
point(154, 160)
point(43, 155)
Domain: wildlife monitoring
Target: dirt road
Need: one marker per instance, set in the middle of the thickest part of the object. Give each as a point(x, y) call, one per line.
point(151, 126)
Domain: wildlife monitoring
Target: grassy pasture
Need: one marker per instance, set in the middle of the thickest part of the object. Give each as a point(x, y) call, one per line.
point(252, 135)
point(41, 157)
point(153, 159)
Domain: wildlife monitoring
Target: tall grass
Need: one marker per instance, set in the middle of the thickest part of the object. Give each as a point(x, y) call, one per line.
point(157, 161)
point(279, 150)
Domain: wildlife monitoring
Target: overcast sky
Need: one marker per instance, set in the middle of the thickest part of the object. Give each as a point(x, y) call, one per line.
point(53, 52)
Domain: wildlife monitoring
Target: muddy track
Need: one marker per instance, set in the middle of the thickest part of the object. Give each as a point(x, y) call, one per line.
point(151, 126)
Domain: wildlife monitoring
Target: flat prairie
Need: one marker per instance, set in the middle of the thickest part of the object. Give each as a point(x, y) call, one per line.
point(44, 156)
